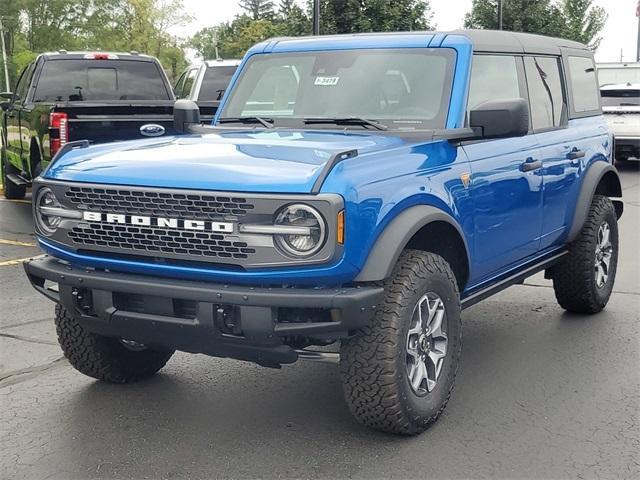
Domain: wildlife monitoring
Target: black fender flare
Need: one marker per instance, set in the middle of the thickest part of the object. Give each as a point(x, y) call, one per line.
point(389, 245)
point(592, 179)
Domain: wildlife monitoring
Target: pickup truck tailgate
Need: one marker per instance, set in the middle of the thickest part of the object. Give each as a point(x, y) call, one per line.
point(114, 122)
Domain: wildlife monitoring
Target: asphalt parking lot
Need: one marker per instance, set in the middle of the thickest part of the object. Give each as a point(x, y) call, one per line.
point(540, 394)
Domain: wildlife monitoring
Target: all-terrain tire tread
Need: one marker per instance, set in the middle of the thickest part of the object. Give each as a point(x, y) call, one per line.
point(367, 360)
point(573, 277)
point(104, 358)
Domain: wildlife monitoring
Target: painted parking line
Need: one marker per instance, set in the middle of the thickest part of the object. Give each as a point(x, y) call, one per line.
point(14, 201)
point(17, 243)
point(6, 263)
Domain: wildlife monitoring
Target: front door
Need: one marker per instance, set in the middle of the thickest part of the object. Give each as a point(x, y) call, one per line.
point(506, 182)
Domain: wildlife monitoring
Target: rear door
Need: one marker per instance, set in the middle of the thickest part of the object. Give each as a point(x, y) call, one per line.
point(506, 181)
point(560, 147)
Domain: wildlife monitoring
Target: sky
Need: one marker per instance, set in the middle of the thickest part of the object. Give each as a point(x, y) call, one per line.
point(620, 32)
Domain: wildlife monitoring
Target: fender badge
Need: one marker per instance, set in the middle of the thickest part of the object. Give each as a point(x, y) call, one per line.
point(466, 179)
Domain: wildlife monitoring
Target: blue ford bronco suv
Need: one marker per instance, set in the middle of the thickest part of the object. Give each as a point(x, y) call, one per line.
point(353, 190)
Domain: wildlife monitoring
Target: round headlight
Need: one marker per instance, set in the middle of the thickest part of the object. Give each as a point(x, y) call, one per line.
point(47, 222)
point(308, 230)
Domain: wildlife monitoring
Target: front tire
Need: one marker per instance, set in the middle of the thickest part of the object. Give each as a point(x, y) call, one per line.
point(398, 374)
point(105, 358)
point(584, 280)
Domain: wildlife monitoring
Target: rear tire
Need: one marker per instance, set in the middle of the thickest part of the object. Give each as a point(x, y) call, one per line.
point(398, 374)
point(578, 280)
point(105, 358)
point(11, 190)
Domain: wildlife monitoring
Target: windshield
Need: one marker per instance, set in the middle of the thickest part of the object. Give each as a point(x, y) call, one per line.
point(78, 80)
point(215, 82)
point(400, 88)
point(620, 98)
point(619, 75)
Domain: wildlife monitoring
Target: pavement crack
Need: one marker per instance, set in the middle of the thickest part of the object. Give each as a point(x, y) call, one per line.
point(29, 322)
point(622, 292)
point(27, 339)
point(23, 374)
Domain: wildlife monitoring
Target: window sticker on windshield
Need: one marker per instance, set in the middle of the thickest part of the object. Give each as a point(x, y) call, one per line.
point(326, 81)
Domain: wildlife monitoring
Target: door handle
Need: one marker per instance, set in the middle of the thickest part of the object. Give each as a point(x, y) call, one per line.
point(575, 154)
point(530, 164)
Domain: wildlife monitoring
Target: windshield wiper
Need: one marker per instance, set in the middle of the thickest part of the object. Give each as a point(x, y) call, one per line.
point(347, 121)
point(266, 122)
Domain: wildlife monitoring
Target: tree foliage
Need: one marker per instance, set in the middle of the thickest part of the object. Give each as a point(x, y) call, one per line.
point(35, 26)
point(257, 9)
point(577, 20)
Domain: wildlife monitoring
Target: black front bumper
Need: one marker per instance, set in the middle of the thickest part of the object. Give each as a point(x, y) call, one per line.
point(220, 320)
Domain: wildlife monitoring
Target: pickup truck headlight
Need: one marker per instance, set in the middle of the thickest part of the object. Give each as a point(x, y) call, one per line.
point(307, 227)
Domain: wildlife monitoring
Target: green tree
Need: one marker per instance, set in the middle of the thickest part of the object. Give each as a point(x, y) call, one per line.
point(583, 21)
point(204, 42)
point(237, 37)
point(352, 16)
point(257, 9)
point(533, 16)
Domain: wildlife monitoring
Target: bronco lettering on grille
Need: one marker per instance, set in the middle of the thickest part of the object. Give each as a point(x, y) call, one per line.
point(144, 221)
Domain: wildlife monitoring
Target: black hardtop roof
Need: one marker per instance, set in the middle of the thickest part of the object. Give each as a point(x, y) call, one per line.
point(500, 41)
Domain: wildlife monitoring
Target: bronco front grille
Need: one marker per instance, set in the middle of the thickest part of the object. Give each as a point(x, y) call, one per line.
point(150, 240)
point(166, 204)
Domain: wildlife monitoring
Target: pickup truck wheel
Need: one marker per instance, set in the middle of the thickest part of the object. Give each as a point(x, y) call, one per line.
point(398, 374)
point(583, 281)
point(11, 190)
point(105, 358)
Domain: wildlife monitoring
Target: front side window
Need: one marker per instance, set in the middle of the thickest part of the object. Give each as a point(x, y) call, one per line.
point(493, 77)
point(546, 98)
point(400, 88)
point(22, 86)
point(584, 86)
point(76, 80)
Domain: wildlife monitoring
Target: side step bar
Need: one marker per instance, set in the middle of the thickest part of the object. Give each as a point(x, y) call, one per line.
point(505, 282)
point(17, 179)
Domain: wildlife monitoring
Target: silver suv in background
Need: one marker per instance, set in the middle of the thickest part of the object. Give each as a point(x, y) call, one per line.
point(205, 84)
point(620, 92)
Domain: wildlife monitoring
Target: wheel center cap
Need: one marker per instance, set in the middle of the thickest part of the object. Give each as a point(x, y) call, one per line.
point(423, 343)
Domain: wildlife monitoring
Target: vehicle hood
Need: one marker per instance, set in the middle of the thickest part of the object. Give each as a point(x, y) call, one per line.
point(250, 161)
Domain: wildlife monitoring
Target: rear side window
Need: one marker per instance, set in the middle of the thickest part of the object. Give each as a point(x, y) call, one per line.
point(493, 77)
point(215, 82)
point(584, 86)
point(545, 91)
point(99, 80)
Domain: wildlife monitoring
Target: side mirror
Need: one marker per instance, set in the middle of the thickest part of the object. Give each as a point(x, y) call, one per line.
point(185, 114)
point(6, 95)
point(5, 106)
point(501, 118)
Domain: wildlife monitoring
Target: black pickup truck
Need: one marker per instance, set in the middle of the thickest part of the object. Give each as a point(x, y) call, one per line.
point(66, 96)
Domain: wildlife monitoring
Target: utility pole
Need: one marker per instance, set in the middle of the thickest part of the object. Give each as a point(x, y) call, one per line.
point(316, 17)
point(4, 59)
point(638, 47)
point(500, 14)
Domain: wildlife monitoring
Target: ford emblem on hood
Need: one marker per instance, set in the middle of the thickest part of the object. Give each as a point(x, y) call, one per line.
point(152, 130)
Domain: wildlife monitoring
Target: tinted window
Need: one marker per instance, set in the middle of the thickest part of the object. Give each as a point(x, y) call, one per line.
point(22, 85)
point(79, 80)
point(188, 82)
point(620, 98)
point(545, 91)
point(493, 77)
point(177, 90)
point(584, 90)
point(403, 88)
point(215, 82)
